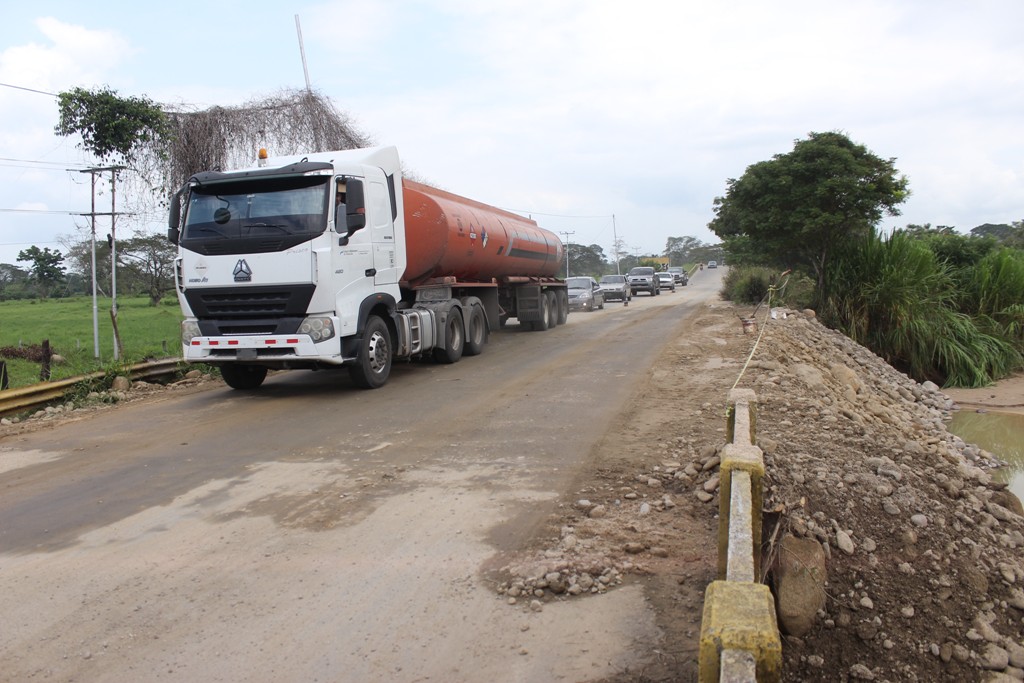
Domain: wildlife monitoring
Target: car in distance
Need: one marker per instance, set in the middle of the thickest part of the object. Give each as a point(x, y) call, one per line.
point(643, 279)
point(584, 294)
point(712, 264)
point(666, 281)
point(615, 288)
point(679, 273)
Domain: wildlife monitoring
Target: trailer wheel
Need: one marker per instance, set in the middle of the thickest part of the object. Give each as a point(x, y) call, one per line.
point(454, 339)
point(476, 332)
point(552, 308)
point(545, 313)
point(243, 377)
point(563, 306)
point(373, 360)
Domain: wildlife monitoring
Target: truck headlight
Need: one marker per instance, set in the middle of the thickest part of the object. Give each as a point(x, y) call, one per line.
point(319, 328)
point(189, 329)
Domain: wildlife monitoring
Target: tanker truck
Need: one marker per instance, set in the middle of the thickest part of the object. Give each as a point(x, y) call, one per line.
point(333, 259)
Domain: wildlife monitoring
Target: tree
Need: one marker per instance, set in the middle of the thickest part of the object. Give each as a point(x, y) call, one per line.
point(801, 207)
point(679, 250)
point(12, 281)
point(111, 126)
point(148, 262)
point(46, 267)
point(586, 260)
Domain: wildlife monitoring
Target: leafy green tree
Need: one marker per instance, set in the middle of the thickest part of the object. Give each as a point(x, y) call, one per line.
point(585, 260)
point(956, 250)
point(13, 281)
point(147, 261)
point(802, 207)
point(679, 250)
point(111, 127)
point(46, 269)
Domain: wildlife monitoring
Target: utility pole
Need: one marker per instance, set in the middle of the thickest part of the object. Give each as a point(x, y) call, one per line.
point(566, 234)
point(113, 270)
point(615, 245)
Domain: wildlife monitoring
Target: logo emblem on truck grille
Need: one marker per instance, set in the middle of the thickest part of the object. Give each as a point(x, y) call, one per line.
point(243, 273)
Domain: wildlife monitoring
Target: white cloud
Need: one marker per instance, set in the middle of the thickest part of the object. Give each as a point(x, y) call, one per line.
point(585, 107)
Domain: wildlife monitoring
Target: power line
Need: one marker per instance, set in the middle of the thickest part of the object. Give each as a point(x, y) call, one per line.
point(50, 211)
point(552, 215)
point(20, 87)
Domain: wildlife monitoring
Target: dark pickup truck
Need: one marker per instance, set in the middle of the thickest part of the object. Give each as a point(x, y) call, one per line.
point(643, 279)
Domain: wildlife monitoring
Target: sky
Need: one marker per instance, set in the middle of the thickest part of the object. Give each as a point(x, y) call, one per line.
point(598, 118)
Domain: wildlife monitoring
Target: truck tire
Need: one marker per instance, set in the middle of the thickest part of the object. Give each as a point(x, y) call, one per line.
point(552, 308)
point(563, 306)
point(476, 332)
point(243, 377)
point(373, 360)
point(454, 338)
point(545, 313)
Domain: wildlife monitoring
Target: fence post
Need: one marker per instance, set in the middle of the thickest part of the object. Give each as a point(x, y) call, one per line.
point(3, 375)
point(44, 369)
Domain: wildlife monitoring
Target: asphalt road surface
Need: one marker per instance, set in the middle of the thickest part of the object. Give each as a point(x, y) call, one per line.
point(313, 531)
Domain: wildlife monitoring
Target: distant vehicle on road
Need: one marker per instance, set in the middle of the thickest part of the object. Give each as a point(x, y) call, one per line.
point(712, 264)
point(615, 288)
point(584, 294)
point(679, 273)
point(643, 279)
point(666, 281)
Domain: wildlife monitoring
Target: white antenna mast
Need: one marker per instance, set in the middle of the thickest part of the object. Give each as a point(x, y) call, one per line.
point(302, 51)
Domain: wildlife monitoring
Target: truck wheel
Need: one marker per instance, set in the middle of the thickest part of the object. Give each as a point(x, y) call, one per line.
point(545, 313)
point(552, 308)
point(563, 306)
point(454, 338)
point(476, 332)
point(373, 360)
point(243, 377)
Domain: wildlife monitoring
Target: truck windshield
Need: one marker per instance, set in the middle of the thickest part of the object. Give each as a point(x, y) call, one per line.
point(294, 209)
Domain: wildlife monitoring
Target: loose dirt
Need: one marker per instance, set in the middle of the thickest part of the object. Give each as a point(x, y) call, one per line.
point(922, 550)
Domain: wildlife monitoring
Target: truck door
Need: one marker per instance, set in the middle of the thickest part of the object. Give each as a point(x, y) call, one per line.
point(382, 229)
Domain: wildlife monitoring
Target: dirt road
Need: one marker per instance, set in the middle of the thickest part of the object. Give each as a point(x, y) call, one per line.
point(315, 532)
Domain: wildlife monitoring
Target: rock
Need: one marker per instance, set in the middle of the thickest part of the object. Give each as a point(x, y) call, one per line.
point(799, 576)
point(999, 512)
point(994, 658)
point(861, 672)
point(704, 497)
point(711, 485)
point(121, 383)
point(844, 542)
point(536, 606)
point(919, 520)
point(633, 548)
point(597, 512)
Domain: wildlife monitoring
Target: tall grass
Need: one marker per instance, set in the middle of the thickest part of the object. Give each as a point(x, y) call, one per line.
point(146, 331)
point(894, 296)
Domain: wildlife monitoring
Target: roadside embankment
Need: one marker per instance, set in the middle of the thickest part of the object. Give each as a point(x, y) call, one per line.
point(911, 553)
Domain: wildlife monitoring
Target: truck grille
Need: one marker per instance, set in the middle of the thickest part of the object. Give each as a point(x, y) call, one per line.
point(250, 310)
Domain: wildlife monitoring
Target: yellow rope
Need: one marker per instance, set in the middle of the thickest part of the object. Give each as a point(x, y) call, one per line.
point(764, 326)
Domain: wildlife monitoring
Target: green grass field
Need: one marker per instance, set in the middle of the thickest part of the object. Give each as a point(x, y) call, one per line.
point(146, 332)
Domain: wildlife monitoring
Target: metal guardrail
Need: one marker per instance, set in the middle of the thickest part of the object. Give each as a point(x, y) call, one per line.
point(38, 395)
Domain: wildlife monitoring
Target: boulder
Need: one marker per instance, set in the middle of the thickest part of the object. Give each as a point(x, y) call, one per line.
point(799, 576)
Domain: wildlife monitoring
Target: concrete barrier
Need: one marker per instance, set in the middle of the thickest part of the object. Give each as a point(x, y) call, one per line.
point(739, 639)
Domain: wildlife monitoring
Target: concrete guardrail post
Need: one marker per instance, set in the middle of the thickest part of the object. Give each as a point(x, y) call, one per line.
point(739, 630)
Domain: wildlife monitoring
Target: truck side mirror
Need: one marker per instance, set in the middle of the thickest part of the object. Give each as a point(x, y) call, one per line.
point(174, 219)
point(355, 206)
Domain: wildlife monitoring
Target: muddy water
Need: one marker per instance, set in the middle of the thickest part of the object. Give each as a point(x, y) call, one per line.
point(999, 433)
